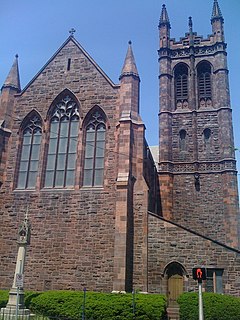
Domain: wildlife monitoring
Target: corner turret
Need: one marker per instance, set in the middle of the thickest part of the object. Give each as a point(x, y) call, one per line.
point(129, 80)
point(13, 80)
point(10, 87)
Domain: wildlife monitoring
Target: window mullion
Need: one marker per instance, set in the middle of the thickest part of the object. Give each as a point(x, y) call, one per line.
point(205, 84)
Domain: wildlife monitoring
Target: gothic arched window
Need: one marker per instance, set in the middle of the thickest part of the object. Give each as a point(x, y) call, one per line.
point(181, 85)
point(204, 83)
point(182, 140)
point(95, 134)
point(207, 134)
point(207, 139)
point(30, 151)
point(62, 149)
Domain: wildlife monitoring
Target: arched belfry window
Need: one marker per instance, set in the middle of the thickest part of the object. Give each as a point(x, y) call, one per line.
point(30, 151)
point(95, 135)
point(62, 149)
point(181, 85)
point(204, 84)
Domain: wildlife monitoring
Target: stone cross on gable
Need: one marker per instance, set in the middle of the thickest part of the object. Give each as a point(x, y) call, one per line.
point(72, 31)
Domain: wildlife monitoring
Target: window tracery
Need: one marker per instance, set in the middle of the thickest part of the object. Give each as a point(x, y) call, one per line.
point(62, 150)
point(94, 150)
point(181, 86)
point(30, 152)
point(204, 84)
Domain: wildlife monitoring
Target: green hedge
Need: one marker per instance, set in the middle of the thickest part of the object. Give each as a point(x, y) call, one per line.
point(28, 295)
point(216, 306)
point(3, 298)
point(98, 306)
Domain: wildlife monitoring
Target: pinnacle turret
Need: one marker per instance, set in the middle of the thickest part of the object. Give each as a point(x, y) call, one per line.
point(164, 28)
point(13, 79)
point(217, 23)
point(216, 12)
point(129, 86)
point(129, 66)
point(164, 19)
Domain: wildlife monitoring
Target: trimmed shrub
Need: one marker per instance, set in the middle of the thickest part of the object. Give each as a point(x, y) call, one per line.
point(98, 306)
point(216, 306)
point(3, 298)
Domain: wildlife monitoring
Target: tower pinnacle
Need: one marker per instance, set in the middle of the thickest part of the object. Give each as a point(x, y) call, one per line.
point(216, 12)
point(217, 22)
point(164, 19)
point(13, 79)
point(129, 66)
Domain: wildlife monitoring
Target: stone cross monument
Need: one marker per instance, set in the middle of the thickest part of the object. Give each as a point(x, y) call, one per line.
point(15, 304)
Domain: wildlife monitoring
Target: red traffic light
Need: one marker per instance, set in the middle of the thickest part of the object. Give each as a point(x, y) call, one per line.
point(199, 274)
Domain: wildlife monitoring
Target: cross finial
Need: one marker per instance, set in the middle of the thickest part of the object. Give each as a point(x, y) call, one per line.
point(72, 31)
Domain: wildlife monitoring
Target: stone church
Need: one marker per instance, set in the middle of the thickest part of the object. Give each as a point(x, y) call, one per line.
point(108, 212)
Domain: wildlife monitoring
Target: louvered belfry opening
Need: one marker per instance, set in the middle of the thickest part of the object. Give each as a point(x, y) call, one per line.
point(181, 85)
point(204, 84)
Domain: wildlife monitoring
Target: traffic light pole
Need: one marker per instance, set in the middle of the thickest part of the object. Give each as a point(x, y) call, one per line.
point(200, 300)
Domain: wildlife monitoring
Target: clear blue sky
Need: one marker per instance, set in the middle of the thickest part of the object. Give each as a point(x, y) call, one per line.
point(35, 29)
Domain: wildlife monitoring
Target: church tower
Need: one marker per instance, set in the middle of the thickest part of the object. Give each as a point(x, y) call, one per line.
point(197, 170)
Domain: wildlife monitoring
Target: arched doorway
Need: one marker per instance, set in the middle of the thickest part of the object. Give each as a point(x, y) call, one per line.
point(175, 272)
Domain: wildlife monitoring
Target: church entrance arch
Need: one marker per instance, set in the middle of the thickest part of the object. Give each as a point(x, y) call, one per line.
point(175, 274)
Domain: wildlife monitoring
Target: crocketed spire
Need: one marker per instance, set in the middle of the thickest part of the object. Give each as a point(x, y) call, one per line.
point(164, 19)
point(216, 12)
point(129, 66)
point(13, 79)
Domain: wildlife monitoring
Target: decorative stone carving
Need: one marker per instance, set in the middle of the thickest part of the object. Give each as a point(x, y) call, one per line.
point(226, 165)
point(24, 232)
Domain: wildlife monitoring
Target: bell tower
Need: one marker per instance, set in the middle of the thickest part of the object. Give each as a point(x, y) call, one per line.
point(197, 167)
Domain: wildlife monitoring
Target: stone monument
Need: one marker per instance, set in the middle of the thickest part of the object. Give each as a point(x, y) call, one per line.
point(15, 305)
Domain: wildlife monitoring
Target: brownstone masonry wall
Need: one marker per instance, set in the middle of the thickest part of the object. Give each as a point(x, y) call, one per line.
point(170, 243)
point(72, 229)
point(72, 239)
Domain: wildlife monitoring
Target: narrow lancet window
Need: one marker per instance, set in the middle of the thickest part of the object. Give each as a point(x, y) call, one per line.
point(182, 140)
point(181, 86)
point(94, 150)
point(204, 84)
point(30, 151)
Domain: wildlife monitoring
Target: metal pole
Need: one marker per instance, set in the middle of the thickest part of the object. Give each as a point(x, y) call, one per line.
point(133, 303)
point(200, 300)
point(17, 303)
point(84, 302)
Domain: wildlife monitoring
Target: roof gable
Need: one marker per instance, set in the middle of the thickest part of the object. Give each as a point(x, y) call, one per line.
point(83, 51)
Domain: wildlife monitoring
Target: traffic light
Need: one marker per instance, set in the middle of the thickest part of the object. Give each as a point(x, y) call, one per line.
point(199, 274)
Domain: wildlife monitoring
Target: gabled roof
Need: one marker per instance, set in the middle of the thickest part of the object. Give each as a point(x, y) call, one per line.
point(71, 38)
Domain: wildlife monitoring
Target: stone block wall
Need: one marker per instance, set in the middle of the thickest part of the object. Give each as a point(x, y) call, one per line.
point(72, 241)
point(169, 243)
